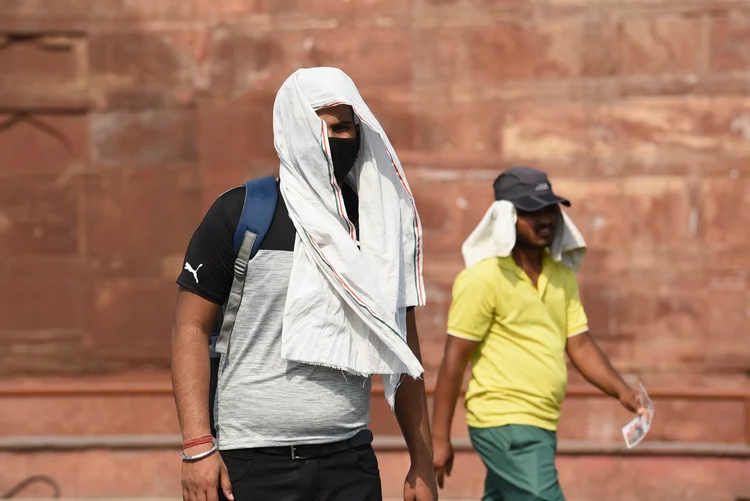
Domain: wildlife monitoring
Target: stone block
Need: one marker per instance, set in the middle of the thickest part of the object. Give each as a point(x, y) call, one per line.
point(377, 9)
point(400, 122)
point(650, 132)
point(203, 10)
point(231, 134)
point(245, 60)
point(143, 68)
point(41, 294)
point(90, 415)
point(654, 130)
point(43, 70)
point(136, 218)
point(44, 352)
point(130, 320)
point(624, 478)
point(38, 217)
point(729, 50)
point(645, 44)
point(561, 133)
point(145, 138)
point(618, 213)
point(487, 54)
point(685, 326)
point(600, 303)
point(449, 210)
point(373, 58)
point(660, 44)
point(724, 216)
point(298, 12)
point(43, 144)
point(601, 419)
point(459, 135)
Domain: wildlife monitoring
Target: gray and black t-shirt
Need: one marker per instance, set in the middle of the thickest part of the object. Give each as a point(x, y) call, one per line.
point(263, 400)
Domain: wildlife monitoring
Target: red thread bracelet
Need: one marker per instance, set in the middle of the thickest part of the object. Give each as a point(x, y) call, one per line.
point(205, 439)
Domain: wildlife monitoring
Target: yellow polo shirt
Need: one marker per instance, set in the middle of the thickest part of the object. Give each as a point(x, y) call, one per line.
point(518, 374)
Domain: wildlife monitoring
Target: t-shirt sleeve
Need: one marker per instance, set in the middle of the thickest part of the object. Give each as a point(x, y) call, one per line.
point(578, 322)
point(472, 310)
point(208, 269)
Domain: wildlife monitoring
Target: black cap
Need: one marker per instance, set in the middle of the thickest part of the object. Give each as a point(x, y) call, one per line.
point(527, 188)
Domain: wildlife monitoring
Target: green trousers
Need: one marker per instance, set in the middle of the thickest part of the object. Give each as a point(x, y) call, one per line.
point(520, 463)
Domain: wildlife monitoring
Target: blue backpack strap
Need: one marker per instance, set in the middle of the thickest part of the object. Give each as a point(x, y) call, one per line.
point(261, 196)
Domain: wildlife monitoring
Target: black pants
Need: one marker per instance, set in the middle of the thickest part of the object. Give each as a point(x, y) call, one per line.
point(349, 475)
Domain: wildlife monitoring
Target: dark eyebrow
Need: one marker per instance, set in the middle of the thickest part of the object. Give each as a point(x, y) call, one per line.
point(346, 123)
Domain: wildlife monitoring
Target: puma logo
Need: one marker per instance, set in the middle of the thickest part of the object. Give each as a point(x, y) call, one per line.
point(193, 271)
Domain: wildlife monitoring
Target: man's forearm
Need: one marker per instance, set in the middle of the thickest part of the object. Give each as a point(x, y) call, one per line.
point(447, 391)
point(411, 405)
point(190, 381)
point(594, 365)
point(413, 419)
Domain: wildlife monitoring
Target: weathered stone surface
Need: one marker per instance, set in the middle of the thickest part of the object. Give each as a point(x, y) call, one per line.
point(38, 218)
point(207, 10)
point(650, 131)
point(156, 474)
point(506, 50)
point(137, 218)
point(43, 144)
point(450, 209)
point(231, 136)
point(690, 129)
point(41, 294)
point(42, 60)
point(339, 10)
point(647, 44)
point(144, 112)
point(131, 319)
point(145, 138)
point(729, 50)
point(42, 68)
point(139, 69)
point(466, 136)
point(725, 216)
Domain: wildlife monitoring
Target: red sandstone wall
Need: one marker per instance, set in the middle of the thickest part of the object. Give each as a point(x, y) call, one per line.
point(121, 120)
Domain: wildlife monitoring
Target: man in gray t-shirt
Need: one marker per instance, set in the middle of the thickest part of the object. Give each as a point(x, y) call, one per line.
point(284, 430)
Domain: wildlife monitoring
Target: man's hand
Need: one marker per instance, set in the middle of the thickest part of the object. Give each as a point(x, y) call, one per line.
point(201, 478)
point(631, 400)
point(420, 484)
point(443, 460)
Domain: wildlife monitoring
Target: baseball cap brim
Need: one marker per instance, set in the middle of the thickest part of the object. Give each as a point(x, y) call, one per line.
point(538, 202)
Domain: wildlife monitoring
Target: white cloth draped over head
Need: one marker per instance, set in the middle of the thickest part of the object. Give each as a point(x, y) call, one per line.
point(346, 306)
point(495, 236)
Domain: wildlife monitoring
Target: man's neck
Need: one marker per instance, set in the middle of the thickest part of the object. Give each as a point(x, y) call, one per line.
point(528, 258)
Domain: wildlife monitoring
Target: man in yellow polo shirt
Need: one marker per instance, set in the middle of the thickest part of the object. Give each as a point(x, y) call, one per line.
point(514, 318)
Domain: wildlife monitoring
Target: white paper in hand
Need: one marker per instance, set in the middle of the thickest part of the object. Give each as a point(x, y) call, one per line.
point(636, 430)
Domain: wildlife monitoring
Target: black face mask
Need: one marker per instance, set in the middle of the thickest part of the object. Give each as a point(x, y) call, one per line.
point(344, 153)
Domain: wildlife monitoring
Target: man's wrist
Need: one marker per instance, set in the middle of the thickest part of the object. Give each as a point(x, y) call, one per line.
point(621, 388)
point(441, 434)
point(421, 457)
point(193, 433)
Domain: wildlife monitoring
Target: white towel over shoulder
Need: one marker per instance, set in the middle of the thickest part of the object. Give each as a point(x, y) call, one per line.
point(495, 236)
point(346, 306)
